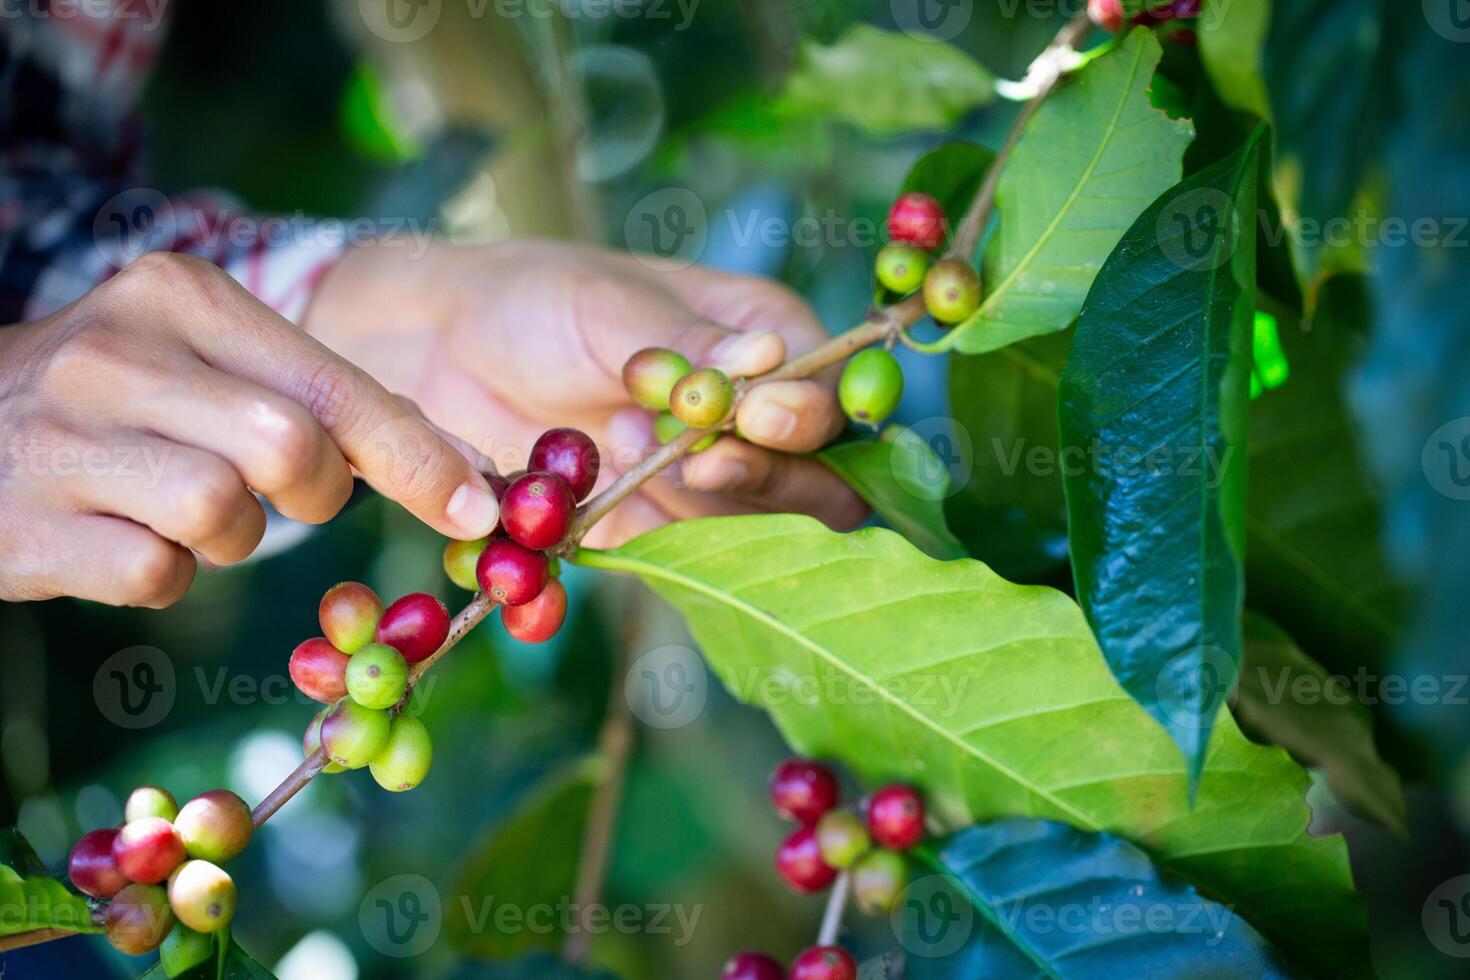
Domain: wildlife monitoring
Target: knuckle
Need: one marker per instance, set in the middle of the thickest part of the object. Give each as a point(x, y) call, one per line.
point(149, 575)
point(163, 273)
point(288, 439)
point(326, 392)
point(209, 502)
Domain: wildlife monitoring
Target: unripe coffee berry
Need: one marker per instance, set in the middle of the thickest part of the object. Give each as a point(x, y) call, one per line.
point(650, 376)
point(349, 614)
point(1107, 14)
point(842, 838)
point(871, 386)
point(459, 562)
point(312, 741)
point(147, 850)
point(415, 626)
point(824, 963)
point(319, 670)
point(951, 291)
point(377, 677)
point(877, 880)
point(900, 268)
point(150, 801)
point(405, 760)
point(202, 895)
point(570, 454)
point(803, 790)
point(752, 966)
point(702, 398)
point(510, 574)
point(92, 865)
point(896, 817)
point(353, 735)
point(537, 511)
point(183, 949)
point(138, 918)
point(215, 826)
point(916, 219)
point(666, 429)
point(799, 862)
point(538, 620)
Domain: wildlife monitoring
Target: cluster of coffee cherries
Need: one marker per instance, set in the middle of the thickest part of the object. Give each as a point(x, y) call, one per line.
point(160, 873)
point(1110, 15)
point(867, 842)
point(916, 227)
point(664, 381)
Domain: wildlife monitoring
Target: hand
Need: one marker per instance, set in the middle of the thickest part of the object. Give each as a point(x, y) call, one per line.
point(135, 423)
point(499, 343)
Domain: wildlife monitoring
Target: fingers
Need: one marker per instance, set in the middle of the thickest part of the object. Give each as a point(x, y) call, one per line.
point(792, 416)
point(774, 481)
point(102, 559)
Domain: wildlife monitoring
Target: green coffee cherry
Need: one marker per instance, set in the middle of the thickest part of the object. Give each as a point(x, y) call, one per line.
point(951, 291)
point(877, 879)
point(405, 761)
point(842, 838)
point(666, 429)
point(459, 562)
point(353, 735)
point(215, 826)
point(377, 676)
point(150, 801)
point(183, 949)
point(871, 386)
point(901, 268)
point(312, 740)
point(202, 895)
point(702, 398)
point(650, 376)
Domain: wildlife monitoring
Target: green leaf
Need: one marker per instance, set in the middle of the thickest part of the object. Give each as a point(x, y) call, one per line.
point(1095, 156)
point(528, 861)
point(1053, 901)
point(1285, 698)
point(887, 82)
point(995, 699)
point(894, 475)
point(1232, 42)
point(236, 965)
point(1156, 394)
point(30, 899)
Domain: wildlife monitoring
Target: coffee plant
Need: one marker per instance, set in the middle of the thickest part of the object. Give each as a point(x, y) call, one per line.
point(1106, 287)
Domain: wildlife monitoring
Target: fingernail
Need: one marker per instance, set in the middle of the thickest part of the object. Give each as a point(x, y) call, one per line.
point(473, 510)
point(744, 353)
point(771, 422)
point(715, 475)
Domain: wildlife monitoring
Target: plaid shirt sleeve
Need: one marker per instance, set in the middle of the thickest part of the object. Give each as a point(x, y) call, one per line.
point(75, 205)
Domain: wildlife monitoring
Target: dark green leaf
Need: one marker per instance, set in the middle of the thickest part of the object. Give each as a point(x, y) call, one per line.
point(237, 966)
point(1232, 42)
point(1156, 395)
point(894, 475)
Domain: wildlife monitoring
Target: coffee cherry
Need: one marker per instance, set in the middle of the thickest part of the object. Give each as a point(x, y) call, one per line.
point(349, 613)
point(377, 677)
point(877, 879)
point(538, 510)
point(1107, 14)
point(799, 862)
point(415, 626)
point(183, 949)
point(842, 838)
point(824, 963)
point(150, 801)
point(215, 826)
point(93, 866)
point(459, 562)
point(901, 268)
point(405, 761)
point(510, 574)
point(650, 376)
point(312, 741)
point(752, 966)
point(896, 817)
point(538, 620)
point(202, 895)
point(951, 291)
point(871, 386)
point(803, 790)
point(353, 735)
point(666, 429)
point(916, 219)
point(147, 850)
point(702, 398)
point(137, 919)
point(570, 454)
point(319, 669)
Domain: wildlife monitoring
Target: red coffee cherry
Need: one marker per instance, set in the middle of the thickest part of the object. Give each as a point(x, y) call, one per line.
point(415, 626)
point(538, 620)
point(312, 740)
point(202, 895)
point(799, 862)
point(537, 510)
point(93, 867)
point(752, 966)
point(824, 963)
point(148, 850)
point(896, 817)
point(510, 574)
point(916, 219)
point(803, 790)
point(318, 669)
point(570, 454)
point(150, 801)
point(138, 918)
point(1107, 14)
point(215, 826)
point(349, 613)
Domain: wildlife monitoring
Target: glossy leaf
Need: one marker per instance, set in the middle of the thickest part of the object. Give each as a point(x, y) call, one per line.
point(1050, 900)
point(1156, 394)
point(237, 965)
point(30, 898)
point(896, 478)
point(995, 699)
point(1232, 42)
